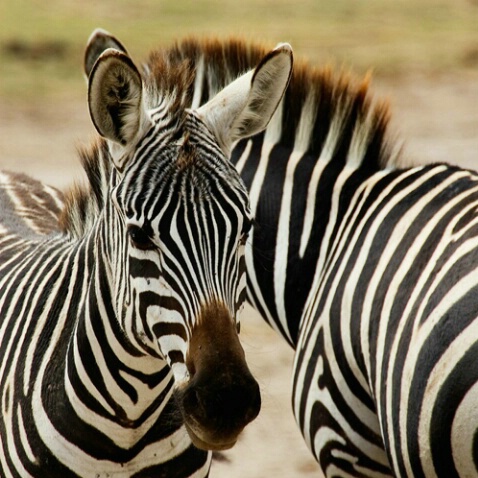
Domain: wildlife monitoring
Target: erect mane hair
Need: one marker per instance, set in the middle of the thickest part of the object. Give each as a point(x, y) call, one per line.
point(84, 202)
point(192, 71)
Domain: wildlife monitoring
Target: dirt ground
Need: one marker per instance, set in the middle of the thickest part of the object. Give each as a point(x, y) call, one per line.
point(437, 116)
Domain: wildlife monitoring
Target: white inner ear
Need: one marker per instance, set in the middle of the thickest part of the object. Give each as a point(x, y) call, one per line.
point(224, 109)
point(269, 83)
point(115, 98)
point(246, 105)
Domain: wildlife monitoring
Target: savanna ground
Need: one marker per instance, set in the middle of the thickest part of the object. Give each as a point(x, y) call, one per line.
point(424, 58)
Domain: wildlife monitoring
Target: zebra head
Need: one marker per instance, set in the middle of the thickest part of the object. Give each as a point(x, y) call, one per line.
point(183, 215)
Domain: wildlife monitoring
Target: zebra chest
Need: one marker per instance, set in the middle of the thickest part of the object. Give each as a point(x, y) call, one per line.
point(65, 422)
point(47, 434)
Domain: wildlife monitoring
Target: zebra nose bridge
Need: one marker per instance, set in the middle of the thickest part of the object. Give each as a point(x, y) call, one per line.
point(213, 339)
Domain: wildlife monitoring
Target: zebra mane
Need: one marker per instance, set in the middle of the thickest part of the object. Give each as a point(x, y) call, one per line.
point(84, 202)
point(318, 104)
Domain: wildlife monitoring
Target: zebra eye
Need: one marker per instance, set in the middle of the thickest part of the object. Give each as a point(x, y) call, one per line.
point(139, 238)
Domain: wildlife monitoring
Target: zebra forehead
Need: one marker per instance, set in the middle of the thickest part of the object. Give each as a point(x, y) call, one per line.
point(191, 181)
point(192, 165)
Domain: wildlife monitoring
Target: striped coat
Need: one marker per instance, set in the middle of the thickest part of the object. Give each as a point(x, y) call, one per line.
point(366, 267)
point(119, 301)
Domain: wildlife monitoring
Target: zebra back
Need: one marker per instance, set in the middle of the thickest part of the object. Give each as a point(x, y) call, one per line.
point(29, 205)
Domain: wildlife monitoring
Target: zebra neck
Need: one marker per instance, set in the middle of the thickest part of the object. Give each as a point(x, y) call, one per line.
point(296, 186)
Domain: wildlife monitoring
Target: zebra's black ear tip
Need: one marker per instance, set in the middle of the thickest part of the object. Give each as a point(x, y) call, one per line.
point(287, 51)
point(98, 33)
point(280, 59)
point(284, 48)
point(99, 41)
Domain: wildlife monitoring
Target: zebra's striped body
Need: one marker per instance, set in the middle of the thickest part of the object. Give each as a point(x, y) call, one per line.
point(369, 271)
point(119, 302)
point(384, 375)
point(366, 268)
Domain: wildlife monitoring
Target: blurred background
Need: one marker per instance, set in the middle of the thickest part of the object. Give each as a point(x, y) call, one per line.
point(42, 42)
point(423, 56)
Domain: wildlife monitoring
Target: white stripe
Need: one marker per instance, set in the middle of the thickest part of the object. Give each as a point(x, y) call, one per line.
point(333, 137)
point(24, 437)
point(245, 155)
point(271, 138)
point(198, 83)
point(301, 145)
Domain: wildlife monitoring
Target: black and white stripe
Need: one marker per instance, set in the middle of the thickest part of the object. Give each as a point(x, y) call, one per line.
point(84, 391)
point(369, 271)
point(118, 311)
point(366, 267)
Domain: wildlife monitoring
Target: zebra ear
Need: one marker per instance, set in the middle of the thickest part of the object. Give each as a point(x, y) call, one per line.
point(246, 105)
point(99, 41)
point(115, 100)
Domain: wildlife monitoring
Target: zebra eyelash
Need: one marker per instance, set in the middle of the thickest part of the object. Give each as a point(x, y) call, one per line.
point(139, 238)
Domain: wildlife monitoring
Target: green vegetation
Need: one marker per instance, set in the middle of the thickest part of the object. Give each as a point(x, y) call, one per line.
point(41, 43)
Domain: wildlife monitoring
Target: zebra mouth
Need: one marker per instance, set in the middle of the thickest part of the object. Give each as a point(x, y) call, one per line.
point(203, 444)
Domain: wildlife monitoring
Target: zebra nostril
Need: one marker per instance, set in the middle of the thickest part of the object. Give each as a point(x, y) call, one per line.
point(193, 402)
